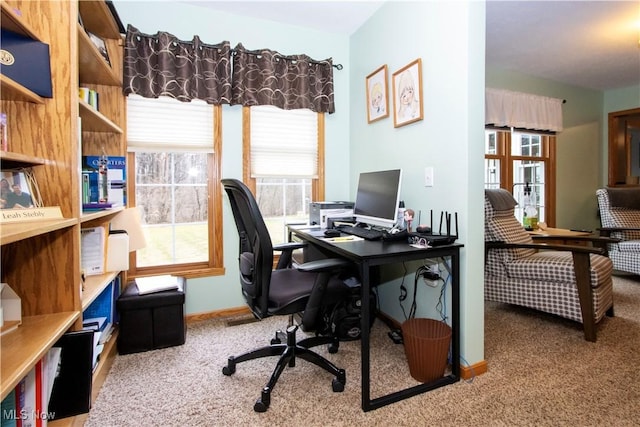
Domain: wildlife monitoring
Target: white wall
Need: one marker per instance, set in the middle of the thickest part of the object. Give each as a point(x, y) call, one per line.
point(449, 38)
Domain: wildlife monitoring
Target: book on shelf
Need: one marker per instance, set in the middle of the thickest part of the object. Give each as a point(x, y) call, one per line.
point(94, 189)
point(93, 242)
point(28, 404)
point(4, 142)
point(89, 96)
point(99, 206)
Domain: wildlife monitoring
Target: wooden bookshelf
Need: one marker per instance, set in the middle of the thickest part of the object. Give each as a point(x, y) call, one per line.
point(42, 259)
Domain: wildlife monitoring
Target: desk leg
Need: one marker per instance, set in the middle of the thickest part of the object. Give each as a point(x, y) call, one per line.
point(455, 315)
point(365, 360)
point(365, 355)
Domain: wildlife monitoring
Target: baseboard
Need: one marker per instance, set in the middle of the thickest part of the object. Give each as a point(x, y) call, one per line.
point(219, 314)
point(469, 372)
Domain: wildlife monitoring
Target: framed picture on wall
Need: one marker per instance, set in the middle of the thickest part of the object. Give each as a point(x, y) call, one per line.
point(377, 97)
point(407, 94)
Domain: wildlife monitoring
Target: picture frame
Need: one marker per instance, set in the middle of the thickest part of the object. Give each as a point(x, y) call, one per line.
point(377, 94)
point(100, 45)
point(407, 94)
point(28, 195)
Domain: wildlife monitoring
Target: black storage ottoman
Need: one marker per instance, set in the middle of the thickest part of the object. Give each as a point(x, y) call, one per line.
point(151, 321)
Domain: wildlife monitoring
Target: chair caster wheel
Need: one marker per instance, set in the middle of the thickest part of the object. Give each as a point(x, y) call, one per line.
point(337, 386)
point(333, 348)
point(275, 341)
point(259, 406)
point(263, 402)
point(230, 369)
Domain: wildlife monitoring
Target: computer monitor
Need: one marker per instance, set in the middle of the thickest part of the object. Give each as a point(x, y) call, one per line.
point(377, 198)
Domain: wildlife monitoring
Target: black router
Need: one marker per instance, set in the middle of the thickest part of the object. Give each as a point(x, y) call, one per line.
point(440, 239)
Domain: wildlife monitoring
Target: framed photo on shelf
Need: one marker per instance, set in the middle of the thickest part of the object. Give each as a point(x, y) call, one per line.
point(377, 97)
point(100, 45)
point(407, 94)
point(19, 190)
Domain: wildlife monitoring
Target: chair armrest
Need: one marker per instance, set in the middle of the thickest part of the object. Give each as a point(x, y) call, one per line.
point(592, 239)
point(324, 265)
point(606, 231)
point(544, 246)
point(287, 253)
point(289, 246)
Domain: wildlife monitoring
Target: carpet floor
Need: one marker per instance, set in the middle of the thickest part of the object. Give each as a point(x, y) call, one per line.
point(541, 373)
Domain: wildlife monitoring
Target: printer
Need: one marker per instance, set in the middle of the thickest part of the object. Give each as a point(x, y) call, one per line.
point(320, 211)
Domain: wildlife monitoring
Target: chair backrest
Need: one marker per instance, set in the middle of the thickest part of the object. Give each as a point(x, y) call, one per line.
point(617, 209)
point(255, 248)
point(500, 224)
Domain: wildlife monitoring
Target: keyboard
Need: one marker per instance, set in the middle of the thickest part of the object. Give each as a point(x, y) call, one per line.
point(365, 233)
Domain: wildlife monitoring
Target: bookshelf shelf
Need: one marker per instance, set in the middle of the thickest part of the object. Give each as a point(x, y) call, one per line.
point(12, 91)
point(93, 285)
point(92, 216)
point(94, 121)
point(93, 68)
point(22, 348)
point(12, 21)
point(11, 160)
point(15, 232)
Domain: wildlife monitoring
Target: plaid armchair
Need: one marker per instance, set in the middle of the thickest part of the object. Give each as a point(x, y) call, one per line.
point(573, 282)
point(620, 218)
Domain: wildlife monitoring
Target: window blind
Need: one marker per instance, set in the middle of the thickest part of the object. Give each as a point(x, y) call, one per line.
point(284, 143)
point(166, 124)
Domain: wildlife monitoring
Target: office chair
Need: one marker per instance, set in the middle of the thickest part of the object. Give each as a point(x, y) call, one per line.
point(305, 289)
point(570, 281)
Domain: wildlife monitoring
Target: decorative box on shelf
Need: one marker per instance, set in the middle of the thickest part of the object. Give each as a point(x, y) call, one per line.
point(10, 310)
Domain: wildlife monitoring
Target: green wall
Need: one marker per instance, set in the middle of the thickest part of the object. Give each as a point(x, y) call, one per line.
point(449, 39)
point(184, 21)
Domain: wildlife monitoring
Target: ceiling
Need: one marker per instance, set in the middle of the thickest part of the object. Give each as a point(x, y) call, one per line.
point(591, 44)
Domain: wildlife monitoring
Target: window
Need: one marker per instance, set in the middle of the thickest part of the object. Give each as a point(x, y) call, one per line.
point(175, 170)
point(515, 160)
point(283, 163)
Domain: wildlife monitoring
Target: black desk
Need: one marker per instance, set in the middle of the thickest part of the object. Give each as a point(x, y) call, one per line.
point(367, 254)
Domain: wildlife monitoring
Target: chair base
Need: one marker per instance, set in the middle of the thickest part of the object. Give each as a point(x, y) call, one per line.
point(288, 353)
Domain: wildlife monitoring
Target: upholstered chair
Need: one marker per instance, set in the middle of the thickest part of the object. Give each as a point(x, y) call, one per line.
point(573, 282)
point(620, 218)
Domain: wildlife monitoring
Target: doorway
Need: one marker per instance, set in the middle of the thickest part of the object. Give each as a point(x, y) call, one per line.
point(624, 148)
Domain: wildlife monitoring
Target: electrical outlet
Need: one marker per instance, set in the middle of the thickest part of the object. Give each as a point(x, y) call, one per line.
point(431, 283)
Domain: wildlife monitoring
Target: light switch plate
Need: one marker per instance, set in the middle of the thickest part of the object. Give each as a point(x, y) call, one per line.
point(428, 176)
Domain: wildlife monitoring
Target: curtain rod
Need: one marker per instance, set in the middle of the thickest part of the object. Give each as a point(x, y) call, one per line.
point(336, 66)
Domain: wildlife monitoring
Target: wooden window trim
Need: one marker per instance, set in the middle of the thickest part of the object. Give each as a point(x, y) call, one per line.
point(215, 265)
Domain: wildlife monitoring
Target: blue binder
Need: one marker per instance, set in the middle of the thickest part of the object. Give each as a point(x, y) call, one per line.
point(26, 61)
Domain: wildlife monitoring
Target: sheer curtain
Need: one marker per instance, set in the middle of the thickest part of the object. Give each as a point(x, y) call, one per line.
point(265, 77)
point(505, 108)
point(161, 65)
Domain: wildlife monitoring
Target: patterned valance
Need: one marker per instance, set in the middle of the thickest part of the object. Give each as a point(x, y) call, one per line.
point(265, 77)
point(161, 65)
